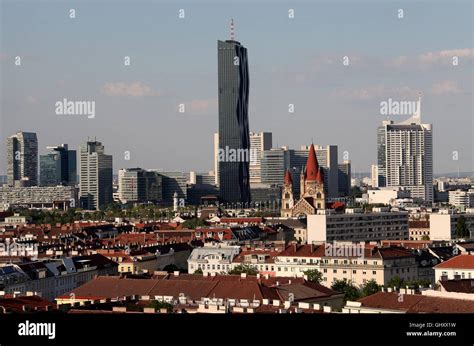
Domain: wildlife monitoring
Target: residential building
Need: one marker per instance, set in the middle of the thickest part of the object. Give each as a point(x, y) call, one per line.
point(387, 195)
point(55, 277)
point(419, 229)
point(53, 197)
point(357, 263)
point(208, 294)
point(355, 225)
point(443, 224)
point(458, 267)
point(260, 259)
point(212, 259)
point(407, 302)
point(460, 198)
point(405, 156)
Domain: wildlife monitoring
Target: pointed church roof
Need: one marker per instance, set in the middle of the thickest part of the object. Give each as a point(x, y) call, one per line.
point(288, 179)
point(312, 166)
point(320, 176)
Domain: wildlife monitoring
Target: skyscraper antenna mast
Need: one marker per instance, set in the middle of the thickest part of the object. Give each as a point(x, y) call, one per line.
point(232, 29)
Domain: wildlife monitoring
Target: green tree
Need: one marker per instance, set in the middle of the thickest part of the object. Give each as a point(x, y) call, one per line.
point(355, 192)
point(350, 291)
point(461, 228)
point(396, 281)
point(193, 223)
point(198, 271)
point(157, 305)
point(313, 275)
point(243, 268)
point(370, 287)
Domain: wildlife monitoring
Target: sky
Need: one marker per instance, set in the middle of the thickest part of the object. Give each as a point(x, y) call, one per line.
point(295, 61)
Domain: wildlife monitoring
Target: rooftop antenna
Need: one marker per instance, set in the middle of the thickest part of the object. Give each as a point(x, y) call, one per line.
point(232, 29)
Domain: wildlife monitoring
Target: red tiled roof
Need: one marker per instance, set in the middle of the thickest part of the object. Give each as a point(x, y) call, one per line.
point(31, 302)
point(458, 262)
point(288, 179)
point(417, 303)
point(312, 167)
point(241, 220)
point(410, 244)
point(196, 287)
point(268, 259)
point(308, 250)
point(461, 286)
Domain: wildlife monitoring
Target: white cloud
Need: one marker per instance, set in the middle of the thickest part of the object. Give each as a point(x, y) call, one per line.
point(375, 92)
point(446, 87)
point(135, 89)
point(441, 57)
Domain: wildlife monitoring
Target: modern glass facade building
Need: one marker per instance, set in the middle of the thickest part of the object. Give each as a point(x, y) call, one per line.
point(233, 84)
point(173, 182)
point(22, 159)
point(58, 167)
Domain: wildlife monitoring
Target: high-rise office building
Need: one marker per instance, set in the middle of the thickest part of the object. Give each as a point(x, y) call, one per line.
point(58, 167)
point(22, 159)
point(344, 178)
point(137, 185)
point(405, 156)
point(95, 176)
point(273, 166)
point(233, 90)
point(173, 182)
point(258, 142)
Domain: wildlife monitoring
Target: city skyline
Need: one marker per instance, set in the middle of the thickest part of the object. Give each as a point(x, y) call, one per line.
point(144, 106)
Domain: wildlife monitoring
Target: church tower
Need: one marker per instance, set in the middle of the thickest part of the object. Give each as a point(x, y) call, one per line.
point(312, 195)
point(314, 181)
point(287, 200)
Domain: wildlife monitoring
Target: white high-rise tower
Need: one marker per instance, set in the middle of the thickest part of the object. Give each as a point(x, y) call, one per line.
point(405, 156)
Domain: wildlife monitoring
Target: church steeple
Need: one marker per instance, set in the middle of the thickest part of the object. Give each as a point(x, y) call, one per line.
point(312, 166)
point(287, 199)
point(288, 179)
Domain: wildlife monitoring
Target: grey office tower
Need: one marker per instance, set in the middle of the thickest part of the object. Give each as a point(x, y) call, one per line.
point(233, 83)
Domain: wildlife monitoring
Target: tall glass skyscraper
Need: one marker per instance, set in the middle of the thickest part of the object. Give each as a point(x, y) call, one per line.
point(233, 83)
point(22, 157)
point(59, 167)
